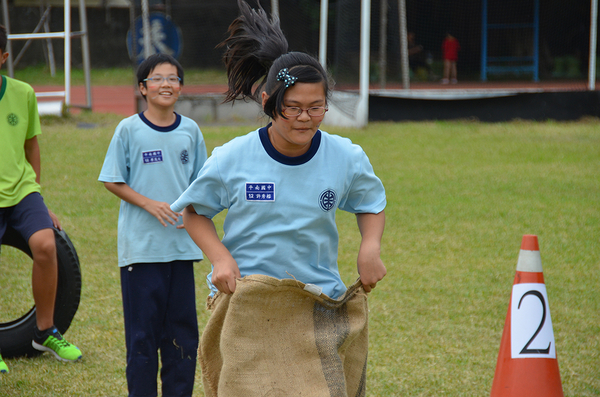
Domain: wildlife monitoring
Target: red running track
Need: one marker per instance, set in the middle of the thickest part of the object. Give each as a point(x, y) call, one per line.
point(117, 99)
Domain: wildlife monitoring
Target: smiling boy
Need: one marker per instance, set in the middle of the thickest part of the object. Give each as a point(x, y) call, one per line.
point(151, 160)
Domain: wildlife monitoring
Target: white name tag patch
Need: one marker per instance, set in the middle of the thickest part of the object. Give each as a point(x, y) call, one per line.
point(260, 191)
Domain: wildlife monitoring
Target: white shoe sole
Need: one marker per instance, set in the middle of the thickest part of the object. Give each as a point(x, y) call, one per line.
point(43, 348)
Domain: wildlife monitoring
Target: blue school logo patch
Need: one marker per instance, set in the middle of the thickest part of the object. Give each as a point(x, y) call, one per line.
point(184, 156)
point(260, 191)
point(153, 156)
point(327, 200)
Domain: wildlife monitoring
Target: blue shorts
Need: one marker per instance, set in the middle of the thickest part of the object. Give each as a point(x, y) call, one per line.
point(29, 216)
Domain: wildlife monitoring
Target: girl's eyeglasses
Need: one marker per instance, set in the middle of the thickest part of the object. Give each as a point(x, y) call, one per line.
point(315, 111)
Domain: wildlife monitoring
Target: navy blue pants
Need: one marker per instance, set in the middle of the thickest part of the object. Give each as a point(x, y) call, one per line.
point(159, 307)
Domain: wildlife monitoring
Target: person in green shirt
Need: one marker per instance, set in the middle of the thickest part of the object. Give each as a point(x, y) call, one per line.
point(22, 206)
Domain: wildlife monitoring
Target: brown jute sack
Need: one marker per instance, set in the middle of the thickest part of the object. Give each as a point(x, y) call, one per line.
point(273, 338)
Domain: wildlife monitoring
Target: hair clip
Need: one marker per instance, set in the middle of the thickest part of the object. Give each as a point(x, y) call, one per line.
point(285, 76)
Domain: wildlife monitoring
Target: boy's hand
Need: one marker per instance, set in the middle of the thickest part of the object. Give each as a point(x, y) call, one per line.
point(370, 266)
point(161, 211)
point(55, 221)
point(181, 225)
point(224, 274)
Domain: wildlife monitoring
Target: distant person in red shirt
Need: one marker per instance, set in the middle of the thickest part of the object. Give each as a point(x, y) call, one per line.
point(450, 48)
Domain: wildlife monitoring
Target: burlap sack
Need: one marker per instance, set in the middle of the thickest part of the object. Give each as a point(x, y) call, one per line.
point(273, 338)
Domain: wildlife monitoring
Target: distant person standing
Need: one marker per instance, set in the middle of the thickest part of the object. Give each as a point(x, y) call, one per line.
point(416, 56)
point(450, 48)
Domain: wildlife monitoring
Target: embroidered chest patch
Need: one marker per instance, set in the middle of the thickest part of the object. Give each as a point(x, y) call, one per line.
point(12, 119)
point(184, 157)
point(153, 156)
point(260, 191)
point(328, 200)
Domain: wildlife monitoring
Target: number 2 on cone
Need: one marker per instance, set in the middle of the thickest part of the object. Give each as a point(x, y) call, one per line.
point(531, 326)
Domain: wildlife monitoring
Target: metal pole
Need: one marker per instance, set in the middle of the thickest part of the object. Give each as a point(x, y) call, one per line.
point(323, 33)
point(383, 22)
point(593, 45)
point(536, 41)
point(134, 58)
point(85, 49)
point(146, 31)
point(43, 22)
point(365, 31)
point(67, 37)
point(275, 8)
point(9, 61)
point(404, 45)
point(484, 32)
point(49, 46)
point(134, 43)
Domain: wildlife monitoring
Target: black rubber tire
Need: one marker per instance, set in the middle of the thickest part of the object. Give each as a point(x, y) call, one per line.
point(16, 335)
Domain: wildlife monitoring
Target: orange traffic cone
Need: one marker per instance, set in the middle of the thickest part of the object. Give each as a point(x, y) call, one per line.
point(527, 364)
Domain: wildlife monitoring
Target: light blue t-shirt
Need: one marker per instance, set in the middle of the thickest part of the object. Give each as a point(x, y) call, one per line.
point(159, 163)
point(281, 210)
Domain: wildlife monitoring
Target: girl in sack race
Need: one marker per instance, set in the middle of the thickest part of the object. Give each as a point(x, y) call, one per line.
point(281, 185)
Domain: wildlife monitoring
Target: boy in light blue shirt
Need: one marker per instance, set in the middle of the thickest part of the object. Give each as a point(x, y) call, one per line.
point(151, 160)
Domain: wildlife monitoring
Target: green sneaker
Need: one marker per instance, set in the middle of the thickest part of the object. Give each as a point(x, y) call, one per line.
point(52, 341)
point(3, 366)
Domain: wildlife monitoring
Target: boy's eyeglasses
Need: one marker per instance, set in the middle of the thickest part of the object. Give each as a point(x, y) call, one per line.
point(174, 80)
point(294, 111)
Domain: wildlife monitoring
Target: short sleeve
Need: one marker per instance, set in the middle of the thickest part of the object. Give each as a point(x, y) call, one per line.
point(33, 127)
point(200, 157)
point(207, 194)
point(366, 193)
point(116, 163)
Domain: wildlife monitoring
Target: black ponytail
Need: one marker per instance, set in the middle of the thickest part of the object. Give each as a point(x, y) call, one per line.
point(256, 51)
point(253, 44)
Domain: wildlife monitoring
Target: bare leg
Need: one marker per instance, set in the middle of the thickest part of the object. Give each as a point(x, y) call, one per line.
point(44, 276)
point(446, 71)
point(453, 71)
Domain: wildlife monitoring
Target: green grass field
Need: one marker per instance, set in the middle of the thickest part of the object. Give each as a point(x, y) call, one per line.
point(460, 197)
